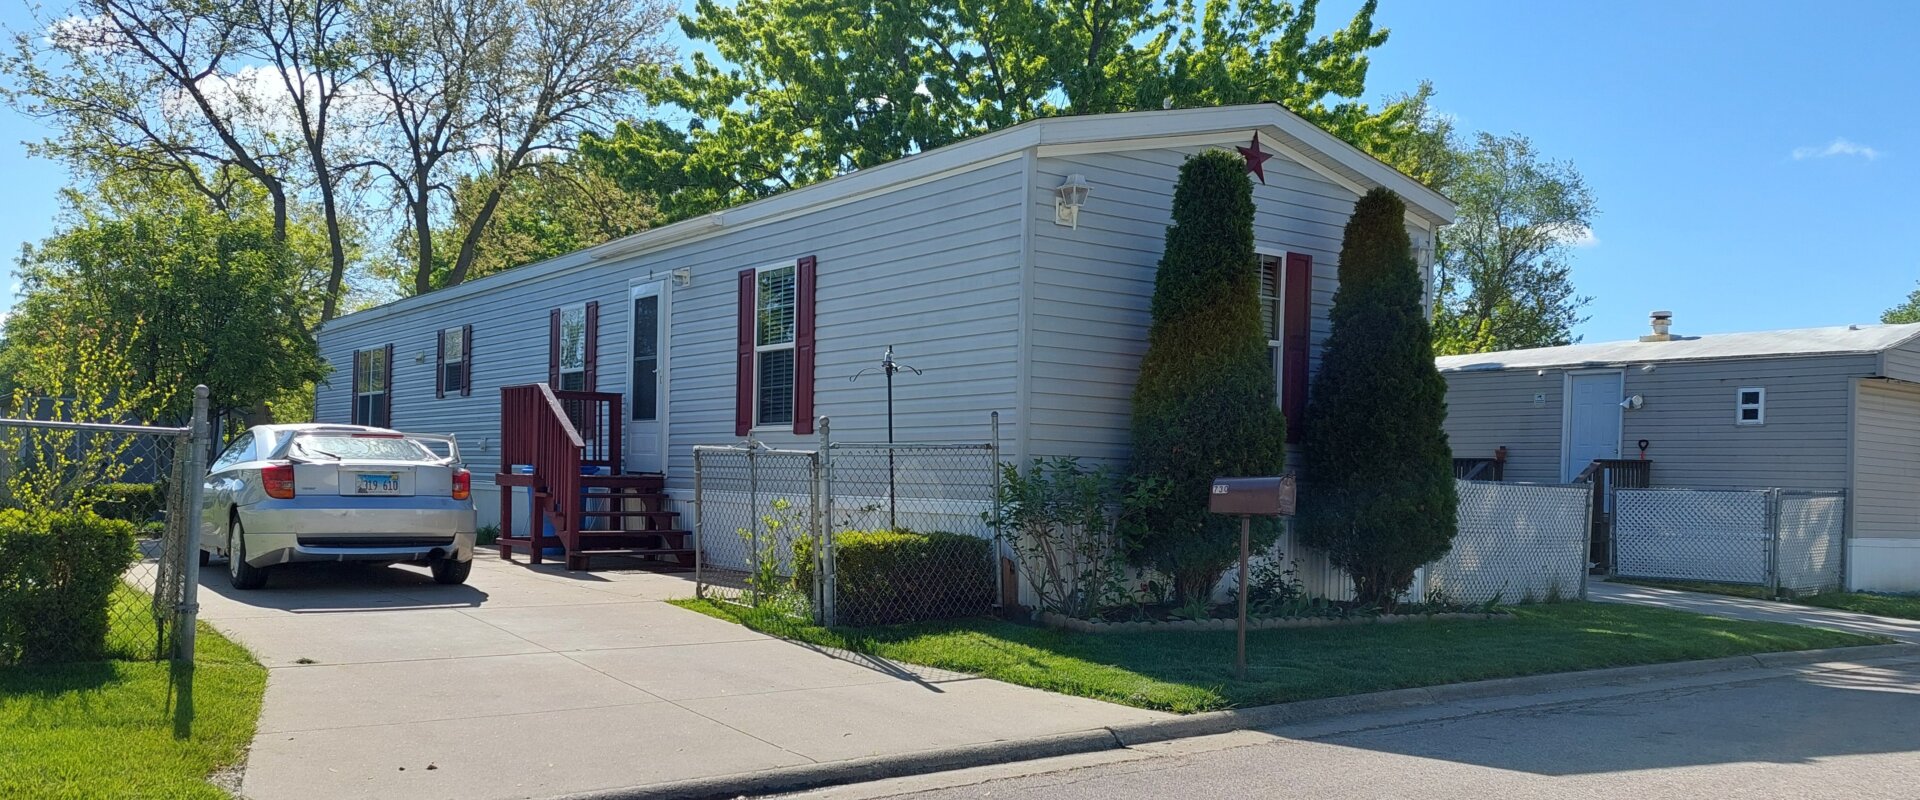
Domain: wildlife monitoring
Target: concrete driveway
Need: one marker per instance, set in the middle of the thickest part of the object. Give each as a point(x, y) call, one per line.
point(535, 682)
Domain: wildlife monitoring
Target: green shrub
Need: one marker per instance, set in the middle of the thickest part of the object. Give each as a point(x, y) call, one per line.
point(131, 502)
point(58, 571)
point(1381, 501)
point(888, 577)
point(1204, 405)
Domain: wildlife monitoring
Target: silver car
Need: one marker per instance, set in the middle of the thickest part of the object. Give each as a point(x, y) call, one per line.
point(282, 494)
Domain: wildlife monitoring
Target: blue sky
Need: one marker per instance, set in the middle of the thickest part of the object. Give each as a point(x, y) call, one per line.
point(1749, 160)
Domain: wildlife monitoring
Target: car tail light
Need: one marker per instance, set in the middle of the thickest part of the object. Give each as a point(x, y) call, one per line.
point(278, 481)
point(462, 484)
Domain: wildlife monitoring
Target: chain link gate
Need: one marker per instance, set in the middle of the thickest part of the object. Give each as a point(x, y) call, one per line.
point(51, 582)
point(1789, 541)
point(853, 534)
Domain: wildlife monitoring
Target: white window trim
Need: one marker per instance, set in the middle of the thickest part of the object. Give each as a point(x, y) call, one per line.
point(459, 331)
point(582, 371)
point(362, 372)
point(1739, 406)
point(759, 348)
point(1276, 348)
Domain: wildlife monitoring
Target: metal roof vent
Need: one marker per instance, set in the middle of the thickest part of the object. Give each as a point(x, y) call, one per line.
point(1662, 325)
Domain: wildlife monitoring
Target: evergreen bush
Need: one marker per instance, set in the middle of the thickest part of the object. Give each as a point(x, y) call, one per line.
point(1204, 406)
point(1380, 497)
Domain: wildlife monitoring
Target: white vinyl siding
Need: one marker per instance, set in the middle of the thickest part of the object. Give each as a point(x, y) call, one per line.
point(932, 269)
point(1093, 286)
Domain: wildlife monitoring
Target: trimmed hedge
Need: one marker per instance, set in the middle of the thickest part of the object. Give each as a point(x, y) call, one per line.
point(132, 502)
point(888, 577)
point(58, 571)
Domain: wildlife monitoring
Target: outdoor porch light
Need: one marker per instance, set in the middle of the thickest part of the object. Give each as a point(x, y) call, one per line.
point(1067, 199)
point(683, 277)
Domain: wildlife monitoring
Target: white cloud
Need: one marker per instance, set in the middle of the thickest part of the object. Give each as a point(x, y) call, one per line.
point(1840, 146)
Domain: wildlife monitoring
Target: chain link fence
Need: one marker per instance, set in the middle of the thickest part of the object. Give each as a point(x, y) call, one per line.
point(756, 518)
point(75, 588)
point(1516, 543)
point(852, 534)
point(911, 532)
point(1785, 540)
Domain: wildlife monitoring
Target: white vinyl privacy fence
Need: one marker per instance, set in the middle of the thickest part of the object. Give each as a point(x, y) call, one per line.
point(1785, 540)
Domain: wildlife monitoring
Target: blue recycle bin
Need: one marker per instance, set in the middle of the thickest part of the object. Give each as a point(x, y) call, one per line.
point(525, 501)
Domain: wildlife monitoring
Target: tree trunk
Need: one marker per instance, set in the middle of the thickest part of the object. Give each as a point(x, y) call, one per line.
point(423, 242)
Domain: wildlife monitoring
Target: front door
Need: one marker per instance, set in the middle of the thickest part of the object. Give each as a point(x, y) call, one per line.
point(646, 436)
point(1593, 419)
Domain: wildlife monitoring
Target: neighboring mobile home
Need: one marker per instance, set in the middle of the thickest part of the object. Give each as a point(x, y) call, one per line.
point(981, 263)
point(1813, 408)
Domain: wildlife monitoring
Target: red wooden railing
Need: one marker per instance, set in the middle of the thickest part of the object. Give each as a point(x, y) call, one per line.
point(542, 429)
point(596, 416)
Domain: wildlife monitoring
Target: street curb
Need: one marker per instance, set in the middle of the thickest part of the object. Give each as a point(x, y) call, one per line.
point(860, 770)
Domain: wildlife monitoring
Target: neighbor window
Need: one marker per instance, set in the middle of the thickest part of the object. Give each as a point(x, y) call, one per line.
point(1272, 295)
point(773, 346)
point(371, 374)
point(1751, 407)
point(573, 348)
point(453, 361)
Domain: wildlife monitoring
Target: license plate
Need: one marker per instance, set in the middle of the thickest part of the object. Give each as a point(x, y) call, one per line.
point(376, 483)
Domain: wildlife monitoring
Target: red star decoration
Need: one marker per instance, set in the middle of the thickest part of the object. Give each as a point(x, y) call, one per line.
point(1256, 158)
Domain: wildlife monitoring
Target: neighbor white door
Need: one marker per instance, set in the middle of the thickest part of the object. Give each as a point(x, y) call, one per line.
point(646, 435)
point(1593, 419)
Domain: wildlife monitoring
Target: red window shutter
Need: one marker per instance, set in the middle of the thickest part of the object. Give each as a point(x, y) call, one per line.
point(553, 349)
point(466, 360)
point(353, 391)
point(591, 359)
point(386, 397)
point(803, 345)
point(1298, 327)
point(743, 357)
point(439, 364)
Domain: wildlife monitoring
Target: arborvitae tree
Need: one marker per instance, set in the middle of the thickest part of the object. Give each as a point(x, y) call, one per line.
point(1380, 497)
point(1204, 405)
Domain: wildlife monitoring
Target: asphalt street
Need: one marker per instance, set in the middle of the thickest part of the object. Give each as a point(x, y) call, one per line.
point(1840, 734)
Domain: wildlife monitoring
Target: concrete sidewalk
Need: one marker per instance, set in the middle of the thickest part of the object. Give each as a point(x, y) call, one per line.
point(1899, 630)
point(539, 682)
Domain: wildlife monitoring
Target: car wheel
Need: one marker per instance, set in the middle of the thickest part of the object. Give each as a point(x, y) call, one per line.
point(205, 558)
point(450, 572)
point(240, 573)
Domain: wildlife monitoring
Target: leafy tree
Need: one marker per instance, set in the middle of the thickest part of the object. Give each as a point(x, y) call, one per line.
point(1380, 499)
point(554, 208)
point(1908, 311)
point(185, 293)
point(1505, 277)
point(808, 89)
point(354, 109)
point(1204, 406)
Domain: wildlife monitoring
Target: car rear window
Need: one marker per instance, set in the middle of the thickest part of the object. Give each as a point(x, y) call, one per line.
point(354, 448)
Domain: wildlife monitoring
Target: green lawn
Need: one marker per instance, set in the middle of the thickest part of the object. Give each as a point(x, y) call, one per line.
point(1192, 671)
point(1885, 605)
point(105, 729)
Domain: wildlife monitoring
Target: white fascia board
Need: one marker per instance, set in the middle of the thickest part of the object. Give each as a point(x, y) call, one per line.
point(1324, 153)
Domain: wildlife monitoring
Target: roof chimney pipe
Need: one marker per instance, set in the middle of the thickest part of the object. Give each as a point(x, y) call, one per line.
point(1662, 325)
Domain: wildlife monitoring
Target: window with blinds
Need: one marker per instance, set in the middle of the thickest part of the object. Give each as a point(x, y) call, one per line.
point(774, 315)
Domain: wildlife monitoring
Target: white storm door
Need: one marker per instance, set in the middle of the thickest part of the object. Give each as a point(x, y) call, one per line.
point(646, 435)
point(1593, 419)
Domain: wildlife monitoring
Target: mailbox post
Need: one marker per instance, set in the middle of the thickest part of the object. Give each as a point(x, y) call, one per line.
point(1250, 497)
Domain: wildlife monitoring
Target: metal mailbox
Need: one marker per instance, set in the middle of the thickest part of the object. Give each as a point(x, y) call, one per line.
point(1260, 497)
